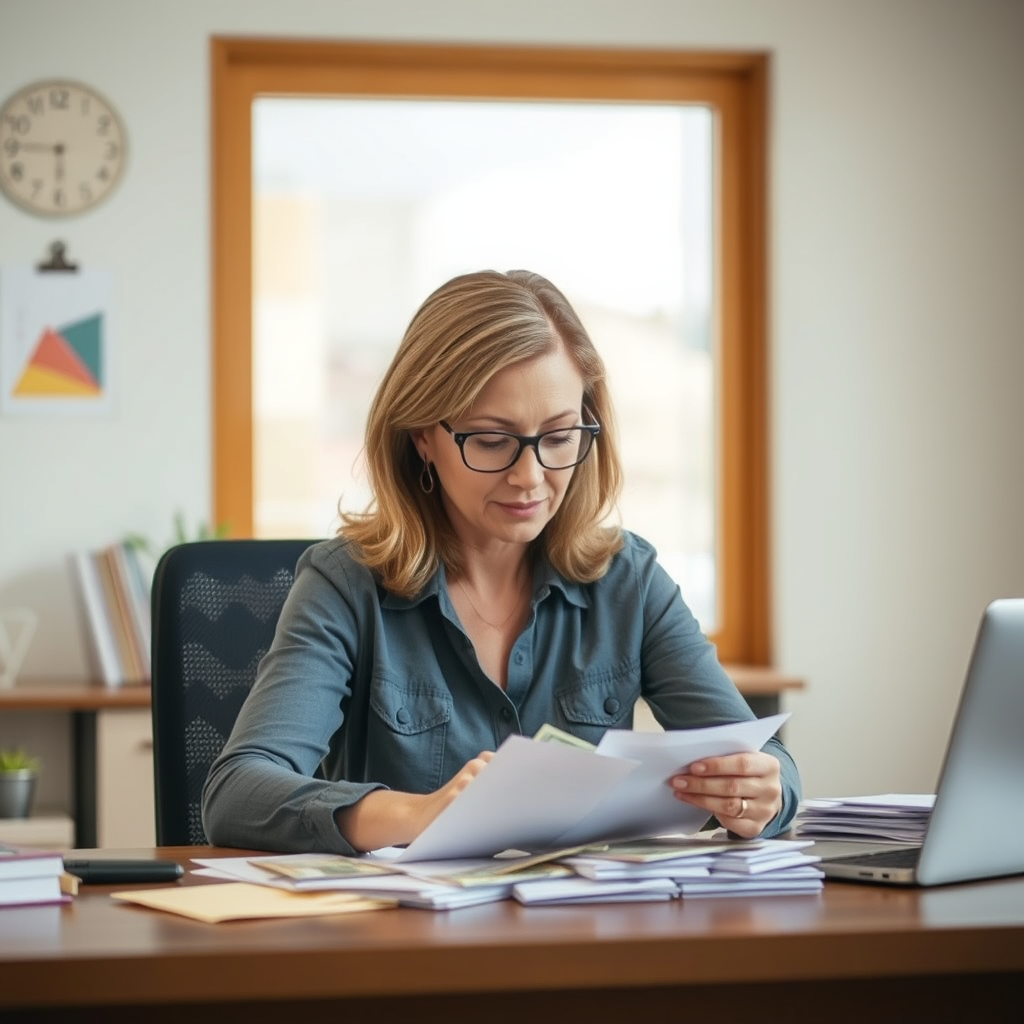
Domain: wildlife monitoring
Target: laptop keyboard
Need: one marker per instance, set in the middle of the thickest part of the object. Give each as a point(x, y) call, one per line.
point(905, 857)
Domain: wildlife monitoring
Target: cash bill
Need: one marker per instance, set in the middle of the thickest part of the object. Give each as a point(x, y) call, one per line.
point(551, 734)
point(310, 867)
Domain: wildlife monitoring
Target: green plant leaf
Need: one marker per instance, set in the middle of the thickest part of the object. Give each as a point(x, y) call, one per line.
point(17, 761)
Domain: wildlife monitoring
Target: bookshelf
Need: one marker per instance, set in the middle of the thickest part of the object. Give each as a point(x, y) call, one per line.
point(111, 736)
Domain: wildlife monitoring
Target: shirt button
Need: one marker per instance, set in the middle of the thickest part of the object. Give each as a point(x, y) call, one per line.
point(520, 658)
point(611, 705)
point(403, 716)
point(506, 714)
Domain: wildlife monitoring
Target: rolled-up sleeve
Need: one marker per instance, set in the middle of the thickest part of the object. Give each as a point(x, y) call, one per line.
point(683, 681)
point(263, 792)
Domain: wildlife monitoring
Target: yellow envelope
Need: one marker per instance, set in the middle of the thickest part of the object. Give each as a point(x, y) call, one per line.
point(236, 901)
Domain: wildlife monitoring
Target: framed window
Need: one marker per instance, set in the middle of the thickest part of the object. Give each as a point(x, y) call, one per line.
point(682, 326)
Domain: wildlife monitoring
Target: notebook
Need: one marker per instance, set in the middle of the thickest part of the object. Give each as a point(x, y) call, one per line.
point(976, 828)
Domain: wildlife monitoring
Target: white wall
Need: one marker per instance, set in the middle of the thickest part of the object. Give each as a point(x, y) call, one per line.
point(897, 322)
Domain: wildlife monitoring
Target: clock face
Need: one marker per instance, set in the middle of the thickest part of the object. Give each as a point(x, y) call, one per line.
point(61, 148)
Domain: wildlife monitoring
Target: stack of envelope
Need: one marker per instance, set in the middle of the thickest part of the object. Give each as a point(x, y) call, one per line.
point(661, 868)
point(697, 867)
point(883, 818)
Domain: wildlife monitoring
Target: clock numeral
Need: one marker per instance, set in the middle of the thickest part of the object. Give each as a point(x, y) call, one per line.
point(60, 99)
point(36, 105)
point(59, 198)
point(16, 172)
point(111, 151)
point(37, 187)
point(18, 123)
point(103, 124)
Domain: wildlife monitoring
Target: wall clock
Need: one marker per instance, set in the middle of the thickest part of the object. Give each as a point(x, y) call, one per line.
point(62, 148)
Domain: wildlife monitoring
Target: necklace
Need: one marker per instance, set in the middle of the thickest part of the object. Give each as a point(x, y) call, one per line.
point(476, 611)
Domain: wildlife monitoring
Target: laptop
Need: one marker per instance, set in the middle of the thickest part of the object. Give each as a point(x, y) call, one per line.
point(976, 827)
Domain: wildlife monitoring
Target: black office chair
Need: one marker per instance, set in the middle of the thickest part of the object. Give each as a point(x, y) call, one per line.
point(215, 607)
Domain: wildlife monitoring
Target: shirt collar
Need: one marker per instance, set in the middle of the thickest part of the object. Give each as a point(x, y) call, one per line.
point(545, 578)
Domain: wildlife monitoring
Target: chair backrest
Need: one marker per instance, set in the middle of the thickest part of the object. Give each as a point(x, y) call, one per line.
point(215, 607)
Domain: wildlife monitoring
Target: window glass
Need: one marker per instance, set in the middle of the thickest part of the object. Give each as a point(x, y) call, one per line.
point(361, 207)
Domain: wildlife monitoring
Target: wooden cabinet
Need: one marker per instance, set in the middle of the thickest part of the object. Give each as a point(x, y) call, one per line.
point(46, 830)
point(125, 813)
point(111, 758)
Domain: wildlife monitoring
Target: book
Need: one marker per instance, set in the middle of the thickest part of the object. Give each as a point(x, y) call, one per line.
point(114, 589)
point(99, 633)
point(21, 892)
point(139, 580)
point(129, 616)
point(29, 875)
point(27, 861)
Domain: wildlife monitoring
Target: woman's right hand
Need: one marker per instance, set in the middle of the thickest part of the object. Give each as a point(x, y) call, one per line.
point(434, 803)
point(386, 817)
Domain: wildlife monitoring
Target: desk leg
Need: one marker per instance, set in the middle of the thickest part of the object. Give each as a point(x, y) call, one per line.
point(84, 758)
point(763, 706)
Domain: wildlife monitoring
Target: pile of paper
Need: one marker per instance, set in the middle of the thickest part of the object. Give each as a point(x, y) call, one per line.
point(657, 869)
point(643, 871)
point(579, 804)
point(887, 818)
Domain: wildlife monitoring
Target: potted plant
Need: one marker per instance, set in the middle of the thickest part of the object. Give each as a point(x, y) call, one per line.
point(18, 774)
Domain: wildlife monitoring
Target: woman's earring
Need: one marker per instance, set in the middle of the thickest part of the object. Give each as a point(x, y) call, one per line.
point(426, 478)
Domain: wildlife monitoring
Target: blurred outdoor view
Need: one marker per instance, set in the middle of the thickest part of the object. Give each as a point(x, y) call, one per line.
point(363, 207)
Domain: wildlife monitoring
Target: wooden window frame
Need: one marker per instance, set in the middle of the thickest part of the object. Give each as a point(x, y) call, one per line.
point(734, 84)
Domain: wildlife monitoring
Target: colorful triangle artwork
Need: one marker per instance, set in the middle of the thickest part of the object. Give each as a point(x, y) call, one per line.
point(67, 362)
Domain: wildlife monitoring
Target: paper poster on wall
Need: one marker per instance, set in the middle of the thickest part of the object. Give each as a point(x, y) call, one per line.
point(54, 342)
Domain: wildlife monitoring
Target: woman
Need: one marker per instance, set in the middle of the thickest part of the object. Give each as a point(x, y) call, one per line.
point(481, 595)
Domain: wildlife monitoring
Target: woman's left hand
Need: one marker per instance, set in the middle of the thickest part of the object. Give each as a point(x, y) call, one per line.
point(742, 791)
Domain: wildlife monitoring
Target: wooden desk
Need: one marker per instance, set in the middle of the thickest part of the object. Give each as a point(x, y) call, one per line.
point(81, 699)
point(852, 953)
point(763, 687)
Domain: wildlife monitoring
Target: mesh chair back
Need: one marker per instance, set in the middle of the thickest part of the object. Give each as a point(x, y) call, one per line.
point(215, 608)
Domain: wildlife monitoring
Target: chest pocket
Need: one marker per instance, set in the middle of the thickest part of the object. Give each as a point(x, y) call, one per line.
point(407, 734)
point(410, 709)
point(596, 705)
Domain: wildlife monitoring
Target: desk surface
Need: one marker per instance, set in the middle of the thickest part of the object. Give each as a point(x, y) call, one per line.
point(842, 943)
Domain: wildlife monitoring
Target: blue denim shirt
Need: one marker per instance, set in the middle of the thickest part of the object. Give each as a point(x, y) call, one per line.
point(362, 689)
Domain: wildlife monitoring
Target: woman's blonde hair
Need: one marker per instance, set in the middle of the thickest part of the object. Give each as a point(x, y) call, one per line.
point(464, 333)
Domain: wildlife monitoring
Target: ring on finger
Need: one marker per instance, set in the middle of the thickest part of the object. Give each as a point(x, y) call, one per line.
point(743, 807)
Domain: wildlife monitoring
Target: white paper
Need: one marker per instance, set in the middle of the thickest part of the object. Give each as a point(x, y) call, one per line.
point(586, 890)
point(536, 796)
point(882, 801)
point(643, 805)
point(521, 800)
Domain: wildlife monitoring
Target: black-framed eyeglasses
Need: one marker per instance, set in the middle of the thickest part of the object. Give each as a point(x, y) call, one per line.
point(491, 451)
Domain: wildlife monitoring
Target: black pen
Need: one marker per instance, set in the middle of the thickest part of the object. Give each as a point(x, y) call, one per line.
point(116, 872)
